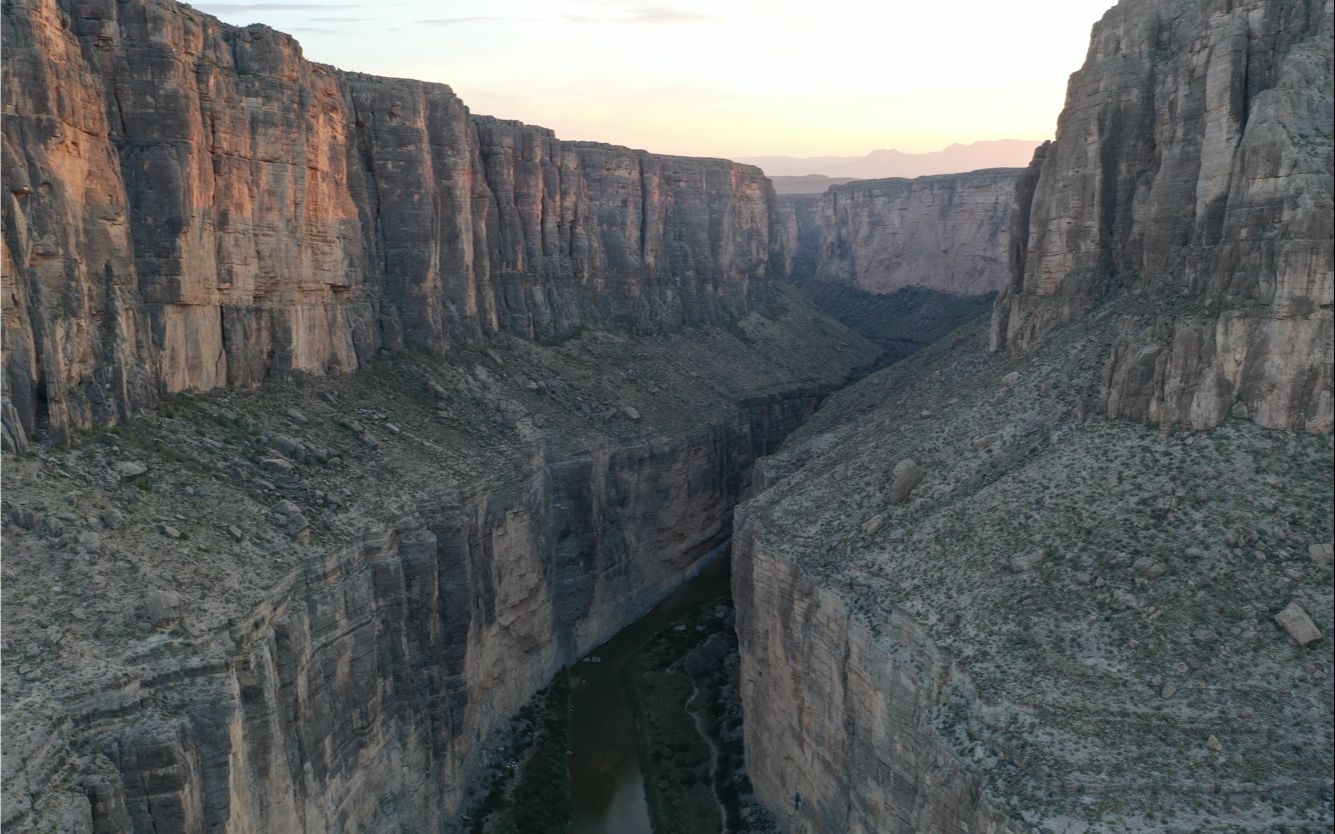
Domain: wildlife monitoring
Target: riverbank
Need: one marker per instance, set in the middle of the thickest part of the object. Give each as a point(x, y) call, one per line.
point(526, 789)
point(683, 689)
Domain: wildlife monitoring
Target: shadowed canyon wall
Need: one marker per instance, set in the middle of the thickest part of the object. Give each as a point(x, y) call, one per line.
point(1192, 174)
point(189, 205)
point(360, 697)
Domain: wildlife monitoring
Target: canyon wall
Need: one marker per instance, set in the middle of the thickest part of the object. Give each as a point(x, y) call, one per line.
point(839, 733)
point(359, 694)
point(945, 232)
point(359, 698)
point(1191, 178)
point(190, 205)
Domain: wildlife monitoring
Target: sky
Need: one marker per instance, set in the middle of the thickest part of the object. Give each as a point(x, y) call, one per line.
point(729, 78)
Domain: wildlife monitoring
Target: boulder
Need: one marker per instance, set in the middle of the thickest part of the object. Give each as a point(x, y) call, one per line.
point(906, 475)
point(1021, 562)
point(278, 463)
point(873, 525)
point(1295, 620)
point(128, 470)
point(287, 444)
point(163, 608)
point(285, 507)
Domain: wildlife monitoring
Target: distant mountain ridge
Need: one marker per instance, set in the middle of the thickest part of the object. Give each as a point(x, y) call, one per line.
point(809, 184)
point(994, 153)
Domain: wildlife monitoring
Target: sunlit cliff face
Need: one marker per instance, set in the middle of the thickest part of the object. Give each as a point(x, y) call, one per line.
point(737, 78)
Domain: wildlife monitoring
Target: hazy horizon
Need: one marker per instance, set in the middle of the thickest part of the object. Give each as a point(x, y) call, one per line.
point(754, 79)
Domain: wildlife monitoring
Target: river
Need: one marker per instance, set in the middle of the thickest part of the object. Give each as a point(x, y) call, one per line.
point(607, 786)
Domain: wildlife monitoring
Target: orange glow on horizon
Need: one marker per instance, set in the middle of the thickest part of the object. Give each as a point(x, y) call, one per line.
point(745, 78)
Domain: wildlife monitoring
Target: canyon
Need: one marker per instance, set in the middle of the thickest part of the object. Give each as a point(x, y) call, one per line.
point(378, 414)
point(902, 262)
point(320, 600)
point(338, 420)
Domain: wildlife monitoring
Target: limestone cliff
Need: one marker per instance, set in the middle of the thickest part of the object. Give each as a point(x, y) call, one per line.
point(1191, 178)
point(945, 232)
point(190, 206)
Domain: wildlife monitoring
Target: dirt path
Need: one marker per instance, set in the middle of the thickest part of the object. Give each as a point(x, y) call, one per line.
point(714, 754)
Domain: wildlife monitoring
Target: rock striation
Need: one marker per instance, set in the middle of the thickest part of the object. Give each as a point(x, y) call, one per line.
point(946, 232)
point(190, 206)
point(1191, 180)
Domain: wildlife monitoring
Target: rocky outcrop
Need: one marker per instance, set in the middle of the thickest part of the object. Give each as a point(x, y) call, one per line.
point(1191, 179)
point(190, 206)
point(945, 232)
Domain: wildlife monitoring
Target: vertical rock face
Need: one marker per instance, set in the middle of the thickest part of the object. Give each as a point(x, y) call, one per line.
point(359, 696)
point(190, 206)
point(838, 728)
point(1192, 176)
point(945, 232)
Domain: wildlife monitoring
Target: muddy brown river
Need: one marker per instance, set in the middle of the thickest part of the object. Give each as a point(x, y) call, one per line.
point(606, 783)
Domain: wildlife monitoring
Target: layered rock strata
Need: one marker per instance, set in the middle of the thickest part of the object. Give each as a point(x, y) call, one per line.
point(190, 206)
point(1192, 167)
point(946, 232)
point(305, 608)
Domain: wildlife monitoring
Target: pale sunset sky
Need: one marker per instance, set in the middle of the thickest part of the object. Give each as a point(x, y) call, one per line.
point(730, 78)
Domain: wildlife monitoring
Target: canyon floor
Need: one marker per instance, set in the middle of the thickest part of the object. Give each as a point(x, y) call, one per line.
point(1101, 595)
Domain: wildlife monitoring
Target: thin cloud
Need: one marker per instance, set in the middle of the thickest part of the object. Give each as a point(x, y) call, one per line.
point(638, 13)
point(662, 14)
point(474, 19)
